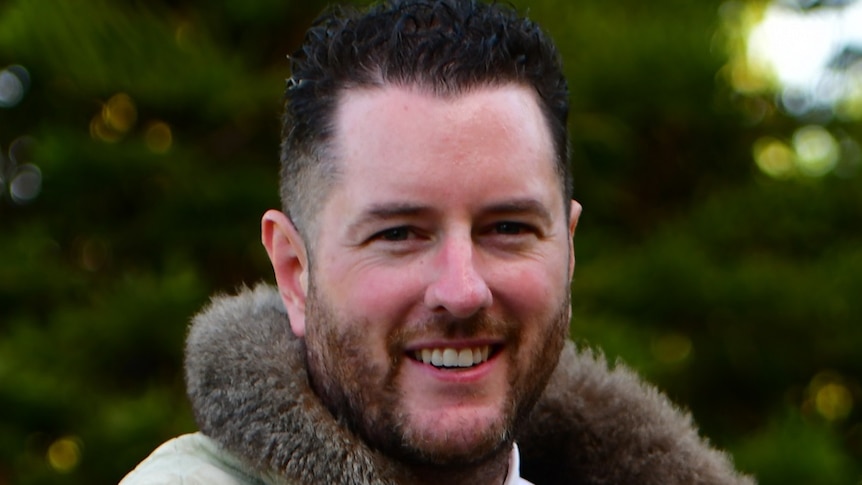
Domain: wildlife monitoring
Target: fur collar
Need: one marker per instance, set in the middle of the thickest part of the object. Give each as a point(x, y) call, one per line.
point(248, 387)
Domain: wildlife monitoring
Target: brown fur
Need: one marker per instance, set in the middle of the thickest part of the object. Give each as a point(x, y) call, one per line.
point(249, 389)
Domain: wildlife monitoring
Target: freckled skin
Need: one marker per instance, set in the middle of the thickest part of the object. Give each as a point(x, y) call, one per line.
point(447, 228)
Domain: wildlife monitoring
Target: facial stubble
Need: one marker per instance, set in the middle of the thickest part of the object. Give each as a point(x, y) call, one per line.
point(365, 397)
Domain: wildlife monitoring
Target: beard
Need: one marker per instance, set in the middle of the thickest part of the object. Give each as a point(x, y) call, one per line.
point(363, 394)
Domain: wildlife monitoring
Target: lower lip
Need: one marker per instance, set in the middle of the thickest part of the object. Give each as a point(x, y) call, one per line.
point(456, 375)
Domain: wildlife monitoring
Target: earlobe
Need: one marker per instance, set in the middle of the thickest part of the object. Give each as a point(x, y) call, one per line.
point(289, 259)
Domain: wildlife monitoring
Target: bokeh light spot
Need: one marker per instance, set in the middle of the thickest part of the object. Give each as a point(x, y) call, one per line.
point(120, 112)
point(672, 348)
point(831, 396)
point(817, 151)
point(99, 130)
point(159, 137)
point(26, 184)
point(14, 81)
point(834, 401)
point(774, 158)
point(119, 115)
point(64, 455)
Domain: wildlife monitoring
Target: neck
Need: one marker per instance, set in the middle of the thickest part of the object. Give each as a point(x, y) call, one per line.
point(492, 471)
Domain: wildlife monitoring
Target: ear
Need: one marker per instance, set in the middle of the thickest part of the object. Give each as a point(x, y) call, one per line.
point(573, 223)
point(289, 259)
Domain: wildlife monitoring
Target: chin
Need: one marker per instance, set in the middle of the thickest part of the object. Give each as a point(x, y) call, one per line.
point(455, 438)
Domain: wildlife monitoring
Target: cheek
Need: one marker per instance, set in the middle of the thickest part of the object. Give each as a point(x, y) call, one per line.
point(380, 295)
point(533, 290)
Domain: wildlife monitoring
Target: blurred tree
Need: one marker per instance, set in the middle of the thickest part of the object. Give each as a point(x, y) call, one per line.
point(138, 148)
point(153, 130)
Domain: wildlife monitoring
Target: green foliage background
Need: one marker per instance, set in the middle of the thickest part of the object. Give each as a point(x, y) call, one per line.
point(737, 294)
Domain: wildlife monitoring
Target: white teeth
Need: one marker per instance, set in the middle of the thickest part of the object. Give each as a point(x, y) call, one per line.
point(437, 357)
point(465, 358)
point(450, 357)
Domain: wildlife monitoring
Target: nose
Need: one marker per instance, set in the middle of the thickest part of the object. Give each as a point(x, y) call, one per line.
point(458, 286)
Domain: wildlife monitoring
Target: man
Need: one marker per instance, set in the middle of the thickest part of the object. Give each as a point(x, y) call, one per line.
point(423, 261)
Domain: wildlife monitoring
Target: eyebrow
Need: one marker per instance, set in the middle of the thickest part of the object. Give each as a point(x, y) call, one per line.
point(521, 206)
point(385, 212)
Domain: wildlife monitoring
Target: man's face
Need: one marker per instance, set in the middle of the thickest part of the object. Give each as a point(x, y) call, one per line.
point(438, 299)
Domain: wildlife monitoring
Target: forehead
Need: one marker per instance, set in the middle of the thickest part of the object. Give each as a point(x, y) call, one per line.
point(426, 143)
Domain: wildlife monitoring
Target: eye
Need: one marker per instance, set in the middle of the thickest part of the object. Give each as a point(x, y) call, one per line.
point(401, 233)
point(510, 228)
point(398, 240)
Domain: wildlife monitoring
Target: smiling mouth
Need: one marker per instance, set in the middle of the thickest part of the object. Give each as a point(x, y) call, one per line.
point(451, 358)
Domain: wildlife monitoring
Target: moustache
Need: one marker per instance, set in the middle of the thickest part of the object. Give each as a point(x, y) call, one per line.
point(480, 325)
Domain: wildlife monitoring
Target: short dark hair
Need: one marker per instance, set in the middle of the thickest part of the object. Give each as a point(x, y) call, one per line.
point(444, 46)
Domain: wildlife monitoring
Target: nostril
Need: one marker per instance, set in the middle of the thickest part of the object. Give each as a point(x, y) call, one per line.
point(461, 301)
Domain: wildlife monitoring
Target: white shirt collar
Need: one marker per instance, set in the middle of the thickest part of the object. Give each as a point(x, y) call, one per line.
point(514, 473)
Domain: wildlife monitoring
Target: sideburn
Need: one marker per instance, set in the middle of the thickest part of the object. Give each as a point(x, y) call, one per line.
point(334, 366)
